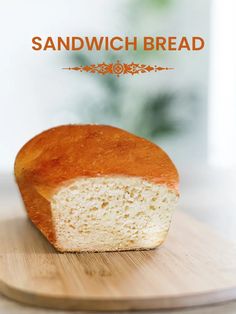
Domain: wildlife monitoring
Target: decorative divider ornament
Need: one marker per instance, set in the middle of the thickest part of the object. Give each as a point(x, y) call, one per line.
point(118, 68)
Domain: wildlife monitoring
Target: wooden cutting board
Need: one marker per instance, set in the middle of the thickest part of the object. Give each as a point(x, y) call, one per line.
point(193, 267)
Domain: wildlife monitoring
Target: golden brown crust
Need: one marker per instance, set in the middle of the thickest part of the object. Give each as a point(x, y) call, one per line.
point(38, 209)
point(67, 152)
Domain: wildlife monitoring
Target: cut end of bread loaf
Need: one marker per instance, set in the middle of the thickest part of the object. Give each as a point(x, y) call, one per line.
point(111, 214)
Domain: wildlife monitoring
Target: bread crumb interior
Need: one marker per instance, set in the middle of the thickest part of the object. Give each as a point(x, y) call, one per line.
point(111, 213)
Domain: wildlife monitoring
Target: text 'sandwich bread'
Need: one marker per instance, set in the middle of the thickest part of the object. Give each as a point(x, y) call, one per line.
point(97, 188)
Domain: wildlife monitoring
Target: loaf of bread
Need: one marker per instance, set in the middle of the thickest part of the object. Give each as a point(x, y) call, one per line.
point(97, 188)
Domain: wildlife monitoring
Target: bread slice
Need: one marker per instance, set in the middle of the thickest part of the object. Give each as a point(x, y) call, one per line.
point(97, 188)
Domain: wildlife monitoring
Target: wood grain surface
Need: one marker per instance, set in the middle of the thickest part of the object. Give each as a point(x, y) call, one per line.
point(193, 267)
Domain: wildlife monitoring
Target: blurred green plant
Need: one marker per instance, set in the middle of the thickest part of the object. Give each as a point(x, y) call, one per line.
point(154, 113)
point(153, 4)
point(112, 89)
point(154, 117)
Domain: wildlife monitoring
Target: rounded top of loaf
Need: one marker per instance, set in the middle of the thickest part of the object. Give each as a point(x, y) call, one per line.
point(68, 152)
